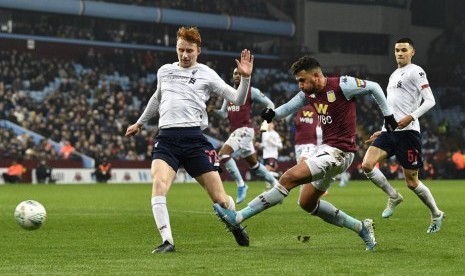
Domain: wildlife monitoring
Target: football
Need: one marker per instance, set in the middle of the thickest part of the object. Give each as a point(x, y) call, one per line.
point(30, 214)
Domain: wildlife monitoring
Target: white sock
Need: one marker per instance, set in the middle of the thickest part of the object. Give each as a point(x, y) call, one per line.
point(231, 205)
point(378, 178)
point(425, 195)
point(162, 218)
point(261, 171)
point(231, 167)
point(263, 201)
point(329, 213)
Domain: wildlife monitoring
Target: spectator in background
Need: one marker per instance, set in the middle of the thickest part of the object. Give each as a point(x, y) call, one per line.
point(66, 150)
point(44, 173)
point(459, 161)
point(14, 172)
point(103, 171)
point(271, 144)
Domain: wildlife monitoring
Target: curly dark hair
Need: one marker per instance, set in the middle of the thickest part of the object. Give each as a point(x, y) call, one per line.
point(304, 63)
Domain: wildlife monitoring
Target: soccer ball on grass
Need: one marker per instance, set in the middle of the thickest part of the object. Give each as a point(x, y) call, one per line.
point(30, 214)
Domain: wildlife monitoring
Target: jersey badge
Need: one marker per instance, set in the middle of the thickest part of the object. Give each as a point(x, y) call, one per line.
point(361, 83)
point(331, 96)
point(192, 78)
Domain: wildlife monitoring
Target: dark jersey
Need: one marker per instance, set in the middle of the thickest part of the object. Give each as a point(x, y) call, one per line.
point(337, 116)
point(306, 122)
point(239, 116)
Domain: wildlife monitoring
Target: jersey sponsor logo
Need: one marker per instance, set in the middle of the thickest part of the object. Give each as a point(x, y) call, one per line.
point(321, 108)
point(307, 113)
point(422, 74)
point(306, 120)
point(306, 117)
point(174, 78)
point(234, 108)
point(331, 96)
point(399, 84)
point(360, 83)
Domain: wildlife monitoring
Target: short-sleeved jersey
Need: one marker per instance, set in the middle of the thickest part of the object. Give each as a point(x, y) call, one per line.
point(306, 122)
point(184, 92)
point(404, 92)
point(337, 114)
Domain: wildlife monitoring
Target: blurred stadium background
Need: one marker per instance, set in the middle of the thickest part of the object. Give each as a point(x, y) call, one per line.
point(75, 73)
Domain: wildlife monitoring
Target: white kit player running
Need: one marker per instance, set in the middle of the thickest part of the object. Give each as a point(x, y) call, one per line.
point(242, 137)
point(407, 88)
point(183, 89)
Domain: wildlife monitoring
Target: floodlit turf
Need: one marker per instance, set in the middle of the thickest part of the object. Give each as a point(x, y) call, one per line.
point(109, 230)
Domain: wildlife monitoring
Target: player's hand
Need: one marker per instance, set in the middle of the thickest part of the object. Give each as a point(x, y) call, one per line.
point(405, 121)
point(373, 137)
point(390, 123)
point(245, 66)
point(133, 130)
point(268, 114)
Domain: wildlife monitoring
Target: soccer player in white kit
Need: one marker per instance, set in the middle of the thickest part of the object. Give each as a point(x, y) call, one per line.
point(407, 87)
point(183, 88)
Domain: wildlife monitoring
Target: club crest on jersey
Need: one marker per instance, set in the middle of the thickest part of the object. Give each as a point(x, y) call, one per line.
point(331, 96)
point(192, 78)
point(360, 83)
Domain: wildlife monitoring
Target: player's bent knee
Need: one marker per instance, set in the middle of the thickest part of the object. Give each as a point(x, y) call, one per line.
point(224, 158)
point(286, 181)
point(367, 167)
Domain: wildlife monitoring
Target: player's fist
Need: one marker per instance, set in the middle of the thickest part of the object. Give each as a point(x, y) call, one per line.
point(390, 123)
point(268, 114)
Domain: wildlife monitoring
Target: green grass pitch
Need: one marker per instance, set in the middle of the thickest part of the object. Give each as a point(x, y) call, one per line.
point(109, 230)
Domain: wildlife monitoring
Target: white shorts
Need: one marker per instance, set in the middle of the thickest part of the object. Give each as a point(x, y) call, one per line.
point(242, 140)
point(303, 150)
point(325, 163)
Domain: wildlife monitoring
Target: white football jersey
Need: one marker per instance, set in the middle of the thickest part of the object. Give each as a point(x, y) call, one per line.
point(403, 92)
point(182, 93)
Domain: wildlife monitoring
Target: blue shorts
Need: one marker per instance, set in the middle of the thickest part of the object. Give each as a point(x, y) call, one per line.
point(186, 147)
point(405, 145)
